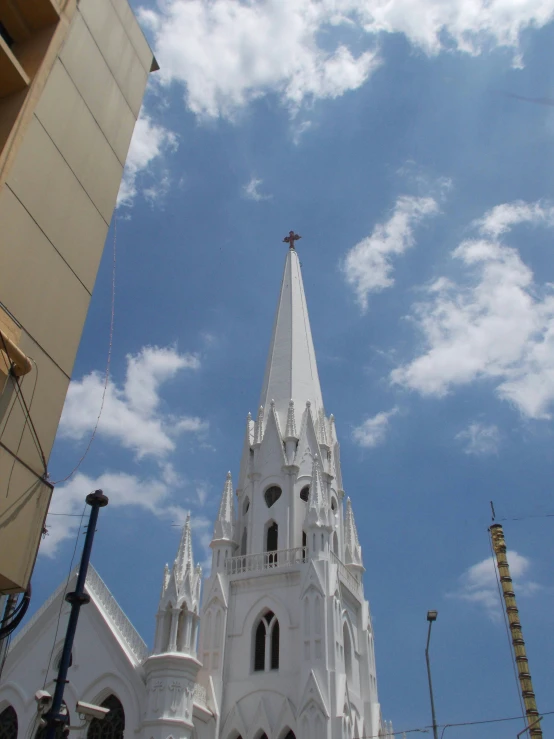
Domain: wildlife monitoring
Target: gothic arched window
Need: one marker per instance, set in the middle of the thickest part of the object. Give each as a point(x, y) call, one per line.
point(347, 652)
point(245, 506)
point(259, 648)
point(8, 723)
point(305, 493)
point(335, 544)
point(266, 644)
point(113, 725)
point(272, 495)
point(243, 541)
point(291, 735)
point(272, 537)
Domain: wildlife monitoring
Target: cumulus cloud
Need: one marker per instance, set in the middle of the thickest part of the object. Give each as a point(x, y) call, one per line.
point(478, 584)
point(373, 431)
point(496, 324)
point(123, 489)
point(251, 191)
point(367, 267)
point(480, 439)
point(151, 494)
point(132, 414)
point(229, 52)
point(149, 144)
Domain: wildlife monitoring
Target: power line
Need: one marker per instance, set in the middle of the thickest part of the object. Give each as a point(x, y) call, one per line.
point(426, 729)
point(108, 363)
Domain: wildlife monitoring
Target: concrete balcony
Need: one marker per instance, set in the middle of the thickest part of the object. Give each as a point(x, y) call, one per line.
point(251, 563)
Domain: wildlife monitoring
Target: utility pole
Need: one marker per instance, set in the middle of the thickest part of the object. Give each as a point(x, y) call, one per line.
point(499, 547)
point(77, 599)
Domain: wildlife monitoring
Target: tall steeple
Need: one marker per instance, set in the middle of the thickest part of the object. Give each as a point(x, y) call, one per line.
point(291, 369)
point(287, 642)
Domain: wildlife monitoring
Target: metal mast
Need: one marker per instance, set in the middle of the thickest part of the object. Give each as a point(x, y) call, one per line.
point(499, 547)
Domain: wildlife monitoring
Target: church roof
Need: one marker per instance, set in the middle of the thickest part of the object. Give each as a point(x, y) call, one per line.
point(123, 629)
point(291, 369)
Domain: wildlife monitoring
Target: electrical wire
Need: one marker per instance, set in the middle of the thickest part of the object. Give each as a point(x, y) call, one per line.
point(508, 635)
point(108, 363)
point(63, 597)
point(427, 729)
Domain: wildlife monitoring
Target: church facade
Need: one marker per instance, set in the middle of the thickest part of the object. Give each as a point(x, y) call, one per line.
point(277, 643)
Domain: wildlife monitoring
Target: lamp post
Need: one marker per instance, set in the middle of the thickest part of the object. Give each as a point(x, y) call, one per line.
point(54, 717)
point(431, 616)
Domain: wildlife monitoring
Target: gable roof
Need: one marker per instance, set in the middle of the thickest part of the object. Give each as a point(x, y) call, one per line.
point(124, 631)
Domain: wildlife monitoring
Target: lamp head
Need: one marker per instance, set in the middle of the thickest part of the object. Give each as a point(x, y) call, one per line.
point(432, 616)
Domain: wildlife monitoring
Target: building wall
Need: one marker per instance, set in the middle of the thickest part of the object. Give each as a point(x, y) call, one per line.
point(61, 165)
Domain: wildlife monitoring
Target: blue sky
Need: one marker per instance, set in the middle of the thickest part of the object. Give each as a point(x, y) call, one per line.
point(385, 134)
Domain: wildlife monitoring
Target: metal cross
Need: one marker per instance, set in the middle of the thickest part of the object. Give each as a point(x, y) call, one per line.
point(291, 238)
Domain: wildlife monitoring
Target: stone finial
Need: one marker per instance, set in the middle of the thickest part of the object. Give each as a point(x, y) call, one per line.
point(316, 510)
point(353, 550)
point(259, 428)
point(225, 522)
point(322, 430)
point(290, 432)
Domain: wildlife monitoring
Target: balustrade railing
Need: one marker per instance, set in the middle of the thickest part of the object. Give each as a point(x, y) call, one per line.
point(265, 560)
point(351, 582)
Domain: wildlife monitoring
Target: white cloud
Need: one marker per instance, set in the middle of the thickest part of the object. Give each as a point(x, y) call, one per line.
point(368, 266)
point(373, 431)
point(149, 143)
point(480, 439)
point(497, 325)
point(229, 52)
point(122, 489)
point(252, 191)
point(132, 415)
point(478, 584)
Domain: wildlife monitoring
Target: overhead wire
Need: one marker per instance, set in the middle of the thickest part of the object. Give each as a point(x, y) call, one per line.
point(427, 729)
point(108, 364)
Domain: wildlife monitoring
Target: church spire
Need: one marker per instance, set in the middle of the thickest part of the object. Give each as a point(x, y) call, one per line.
point(225, 522)
point(291, 369)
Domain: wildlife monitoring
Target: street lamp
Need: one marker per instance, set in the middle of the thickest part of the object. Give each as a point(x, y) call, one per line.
point(431, 616)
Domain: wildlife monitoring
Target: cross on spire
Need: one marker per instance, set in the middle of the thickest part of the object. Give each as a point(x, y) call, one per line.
point(291, 238)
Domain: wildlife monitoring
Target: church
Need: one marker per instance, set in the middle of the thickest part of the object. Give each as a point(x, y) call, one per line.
point(277, 643)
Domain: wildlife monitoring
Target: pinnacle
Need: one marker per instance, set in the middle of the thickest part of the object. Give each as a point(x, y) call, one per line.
point(225, 522)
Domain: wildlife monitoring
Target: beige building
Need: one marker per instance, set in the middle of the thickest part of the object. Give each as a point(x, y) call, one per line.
point(72, 79)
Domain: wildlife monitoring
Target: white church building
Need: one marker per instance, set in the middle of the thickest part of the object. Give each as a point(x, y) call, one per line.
point(277, 643)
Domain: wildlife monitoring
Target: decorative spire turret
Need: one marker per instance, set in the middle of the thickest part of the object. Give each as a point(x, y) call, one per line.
point(322, 428)
point(183, 562)
point(180, 599)
point(352, 548)
point(290, 432)
point(317, 513)
point(225, 522)
point(259, 426)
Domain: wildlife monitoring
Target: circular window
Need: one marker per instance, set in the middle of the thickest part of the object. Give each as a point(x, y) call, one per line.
point(246, 506)
point(272, 495)
point(333, 504)
point(305, 493)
